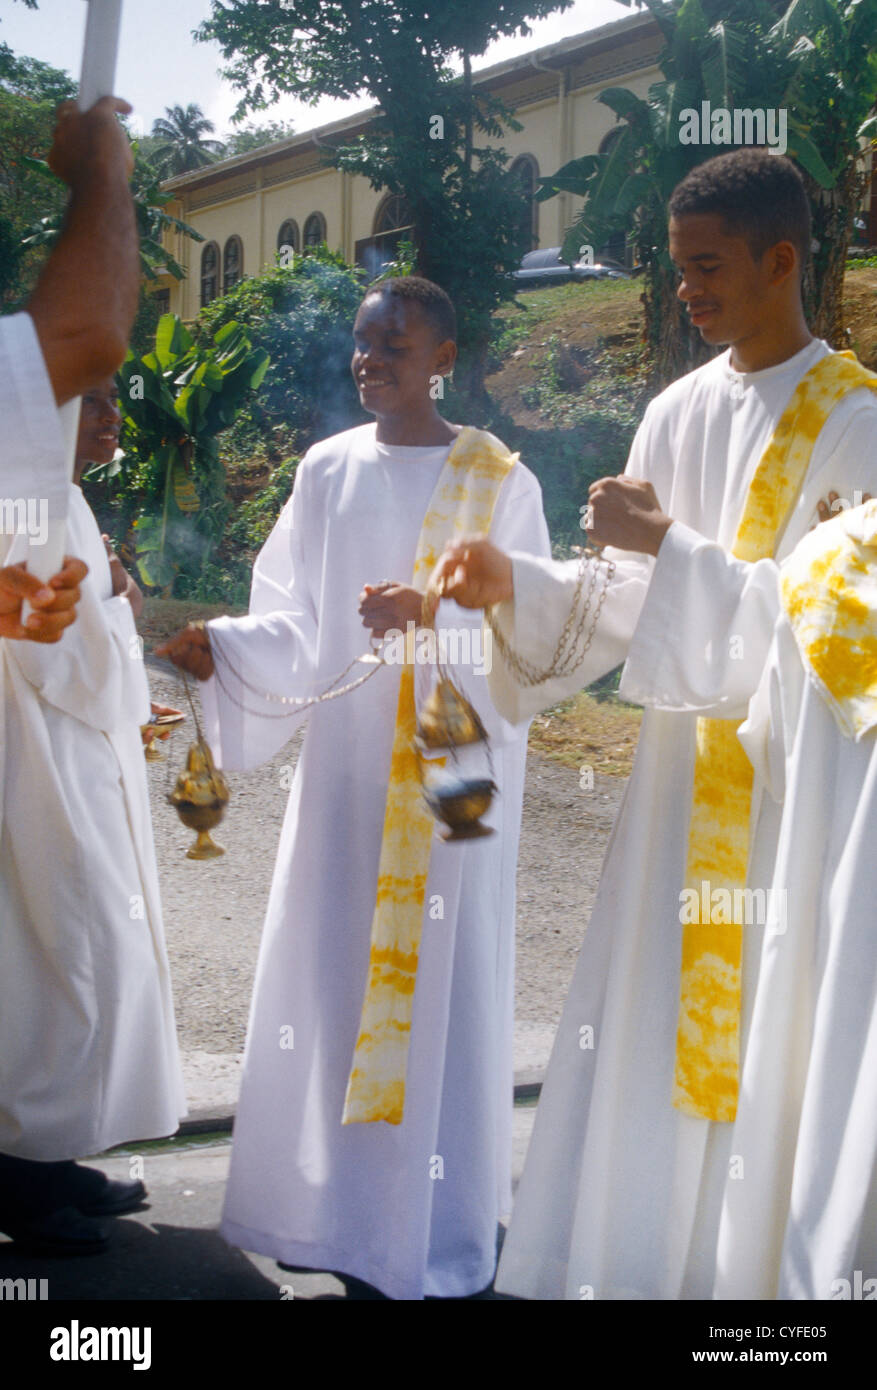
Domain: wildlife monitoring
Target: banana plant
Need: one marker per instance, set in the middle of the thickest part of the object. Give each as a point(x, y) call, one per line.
point(175, 401)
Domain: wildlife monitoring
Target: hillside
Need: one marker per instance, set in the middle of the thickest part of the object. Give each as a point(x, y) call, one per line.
point(590, 332)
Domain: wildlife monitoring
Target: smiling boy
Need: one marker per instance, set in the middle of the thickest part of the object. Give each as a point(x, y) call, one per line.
point(639, 1160)
point(373, 1134)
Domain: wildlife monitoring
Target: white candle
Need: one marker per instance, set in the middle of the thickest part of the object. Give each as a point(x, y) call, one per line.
point(98, 72)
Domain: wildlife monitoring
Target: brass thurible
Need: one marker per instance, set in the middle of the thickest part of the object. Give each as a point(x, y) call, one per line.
point(200, 797)
point(448, 721)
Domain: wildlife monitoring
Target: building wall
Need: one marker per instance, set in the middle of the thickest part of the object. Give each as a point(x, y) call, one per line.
point(562, 119)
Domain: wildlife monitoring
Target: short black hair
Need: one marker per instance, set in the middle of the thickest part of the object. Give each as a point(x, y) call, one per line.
point(431, 298)
point(759, 196)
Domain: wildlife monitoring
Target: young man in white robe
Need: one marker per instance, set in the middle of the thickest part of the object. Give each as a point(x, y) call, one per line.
point(87, 1046)
point(355, 1151)
point(799, 1220)
point(635, 1148)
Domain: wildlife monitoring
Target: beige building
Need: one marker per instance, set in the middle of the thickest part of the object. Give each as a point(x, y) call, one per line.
point(284, 194)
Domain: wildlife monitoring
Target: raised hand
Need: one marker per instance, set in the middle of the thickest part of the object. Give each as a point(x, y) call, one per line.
point(89, 143)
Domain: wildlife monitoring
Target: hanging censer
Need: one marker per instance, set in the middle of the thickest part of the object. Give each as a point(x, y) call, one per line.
point(460, 794)
point(201, 793)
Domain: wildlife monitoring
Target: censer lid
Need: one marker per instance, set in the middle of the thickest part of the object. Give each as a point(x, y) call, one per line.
point(201, 783)
point(447, 720)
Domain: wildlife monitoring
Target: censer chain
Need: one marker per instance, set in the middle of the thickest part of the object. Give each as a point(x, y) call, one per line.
point(567, 655)
point(168, 773)
point(297, 703)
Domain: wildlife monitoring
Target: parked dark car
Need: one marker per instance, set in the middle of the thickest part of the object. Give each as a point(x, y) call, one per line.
point(547, 267)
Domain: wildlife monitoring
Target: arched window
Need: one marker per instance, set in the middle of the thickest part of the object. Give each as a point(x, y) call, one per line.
point(288, 235)
point(609, 140)
point(393, 215)
point(315, 230)
point(209, 273)
point(526, 170)
point(232, 263)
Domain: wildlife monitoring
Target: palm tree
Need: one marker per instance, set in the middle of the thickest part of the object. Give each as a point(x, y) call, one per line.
point(184, 146)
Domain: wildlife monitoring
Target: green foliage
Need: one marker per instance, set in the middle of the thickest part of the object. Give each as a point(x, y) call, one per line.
point(302, 316)
point(175, 401)
point(586, 397)
point(153, 220)
point(404, 262)
point(253, 137)
point(587, 432)
point(228, 580)
point(29, 94)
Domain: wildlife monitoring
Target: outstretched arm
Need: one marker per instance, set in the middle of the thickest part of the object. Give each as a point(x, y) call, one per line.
point(533, 599)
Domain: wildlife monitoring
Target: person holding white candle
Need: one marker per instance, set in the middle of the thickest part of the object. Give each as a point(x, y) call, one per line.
point(88, 1054)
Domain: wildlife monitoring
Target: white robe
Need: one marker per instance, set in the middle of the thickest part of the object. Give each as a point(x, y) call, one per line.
point(622, 1194)
point(413, 1208)
point(88, 1052)
point(33, 462)
point(808, 1127)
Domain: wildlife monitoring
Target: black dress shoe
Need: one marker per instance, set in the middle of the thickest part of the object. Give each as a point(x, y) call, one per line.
point(113, 1198)
point(63, 1232)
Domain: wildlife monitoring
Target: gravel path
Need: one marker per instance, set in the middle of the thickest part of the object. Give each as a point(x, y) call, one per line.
point(214, 911)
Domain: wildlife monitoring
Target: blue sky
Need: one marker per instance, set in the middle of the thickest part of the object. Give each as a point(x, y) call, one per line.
point(160, 65)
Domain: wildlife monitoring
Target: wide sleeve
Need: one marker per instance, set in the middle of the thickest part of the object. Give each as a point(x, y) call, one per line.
point(269, 653)
point(544, 597)
point(33, 461)
point(704, 631)
point(518, 524)
point(96, 672)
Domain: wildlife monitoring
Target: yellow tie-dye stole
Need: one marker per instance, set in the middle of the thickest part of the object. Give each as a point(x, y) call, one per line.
point(829, 595)
point(463, 502)
point(706, 1076)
